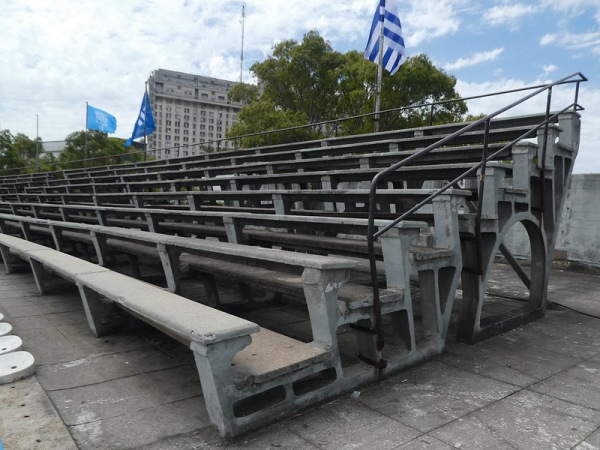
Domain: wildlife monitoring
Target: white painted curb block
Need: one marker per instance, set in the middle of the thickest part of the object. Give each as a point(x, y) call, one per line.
point(16, 366)
point(10, 344)
point(5, 328)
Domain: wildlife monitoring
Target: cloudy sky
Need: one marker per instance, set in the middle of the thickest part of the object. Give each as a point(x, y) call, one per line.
point(56, 55)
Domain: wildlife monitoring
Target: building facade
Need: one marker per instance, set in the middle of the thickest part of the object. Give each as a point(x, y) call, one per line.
point(191, 112)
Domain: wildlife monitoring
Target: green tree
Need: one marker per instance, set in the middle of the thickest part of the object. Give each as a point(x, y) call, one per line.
point(418, 82)
point(356, 92)
point(101, 150)
point(301, 78)
point(20, 154)
point(308, 82)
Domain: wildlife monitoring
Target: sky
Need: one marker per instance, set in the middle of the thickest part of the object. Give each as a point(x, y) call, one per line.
point(57, 55)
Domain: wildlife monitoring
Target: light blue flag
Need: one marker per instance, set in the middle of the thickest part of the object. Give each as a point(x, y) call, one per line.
point(393, 42)
point(144, 125)
point(100, 120)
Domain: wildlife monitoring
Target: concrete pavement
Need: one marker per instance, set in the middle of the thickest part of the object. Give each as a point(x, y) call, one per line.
point(536, 387)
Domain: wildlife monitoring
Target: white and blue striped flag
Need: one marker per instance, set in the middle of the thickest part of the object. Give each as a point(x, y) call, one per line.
point(393, 42)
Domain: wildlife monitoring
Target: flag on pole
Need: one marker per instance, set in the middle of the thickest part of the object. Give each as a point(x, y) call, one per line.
point(393, 42)
point(100, 120)
point(144, 124)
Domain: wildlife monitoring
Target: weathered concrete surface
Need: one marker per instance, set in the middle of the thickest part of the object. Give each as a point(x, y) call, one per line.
point(535, 387)
point(578, 239)
point(579, 233)
point(28, 420)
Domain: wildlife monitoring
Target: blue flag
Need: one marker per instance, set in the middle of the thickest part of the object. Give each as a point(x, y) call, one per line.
point(393, 42)
point(100, 120)
point(144, 124)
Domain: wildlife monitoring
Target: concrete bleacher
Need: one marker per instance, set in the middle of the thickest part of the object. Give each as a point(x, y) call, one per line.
point(291, 220)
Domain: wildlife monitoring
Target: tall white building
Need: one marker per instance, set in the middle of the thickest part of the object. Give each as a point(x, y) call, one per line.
point(190, 112)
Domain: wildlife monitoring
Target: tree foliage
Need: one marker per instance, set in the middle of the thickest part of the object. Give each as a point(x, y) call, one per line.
point(20, 154)
point(309, 82)
point(99, 150)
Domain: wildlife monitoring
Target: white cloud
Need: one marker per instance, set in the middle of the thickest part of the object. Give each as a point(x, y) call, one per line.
point(548, 39)
point(430, 19)
point(549, 69)
point(575, 41)
point(588, 158)
point(71, 52)
point(474, 59)
point(510, 14)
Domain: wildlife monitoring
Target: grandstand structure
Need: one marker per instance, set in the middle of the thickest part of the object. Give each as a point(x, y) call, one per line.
point(385, 242)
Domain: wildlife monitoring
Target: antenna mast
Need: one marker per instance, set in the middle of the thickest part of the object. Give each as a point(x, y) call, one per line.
point(242, 53)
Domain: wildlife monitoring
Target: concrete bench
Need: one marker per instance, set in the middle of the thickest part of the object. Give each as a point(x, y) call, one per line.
point(260, 267)
point(241, 367)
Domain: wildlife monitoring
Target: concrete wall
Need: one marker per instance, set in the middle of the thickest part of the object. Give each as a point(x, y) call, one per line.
point(578, 238)
point(579, 232)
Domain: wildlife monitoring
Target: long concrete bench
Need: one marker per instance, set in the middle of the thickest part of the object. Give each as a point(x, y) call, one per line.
point(279, 201)
point(364, 171)
point(249, 376)
point(436, 269)
point(252, 162)
point(346, 157)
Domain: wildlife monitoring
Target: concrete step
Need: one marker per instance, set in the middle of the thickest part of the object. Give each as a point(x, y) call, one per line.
point(271, 355)
point(16, 366)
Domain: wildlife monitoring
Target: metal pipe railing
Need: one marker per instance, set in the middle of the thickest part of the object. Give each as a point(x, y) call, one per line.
point(372, 235)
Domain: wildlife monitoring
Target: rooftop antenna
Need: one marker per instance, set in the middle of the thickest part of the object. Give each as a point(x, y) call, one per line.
point(242, 53)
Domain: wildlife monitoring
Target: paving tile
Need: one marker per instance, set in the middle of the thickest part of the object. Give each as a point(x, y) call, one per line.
point(36, 299)
point(579, 385)
point(200, 439)
point(122, 396)
point(348, 424)
point(592, 442)
point(67, 318)
point(48, 346)
point(28, 420)
point(425, 442)
point(95, 369)
point(143, 427)
point(33, 309)
point(564, 332)
point(30, 322)
point(433, 394)
point(80, 336)
point(68, 374)
point(512, 361)
point(274, 437)
point(525, 420)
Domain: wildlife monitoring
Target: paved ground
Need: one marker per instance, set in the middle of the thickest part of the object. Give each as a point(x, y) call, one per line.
point(536, 387)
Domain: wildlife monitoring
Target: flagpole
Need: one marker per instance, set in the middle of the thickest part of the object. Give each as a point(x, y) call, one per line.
point(145, 138)
point(85, 137)
point(379, 71)
point(37, 142)
point(242, 52)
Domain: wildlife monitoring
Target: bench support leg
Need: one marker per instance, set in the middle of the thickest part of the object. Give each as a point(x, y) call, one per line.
point(169, 257)
point(321, 292)
point(40, 276)
point(7, 258)
point(213, 361)
point(102, 315)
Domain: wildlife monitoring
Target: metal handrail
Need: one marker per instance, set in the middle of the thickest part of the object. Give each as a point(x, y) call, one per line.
point(372, 235)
